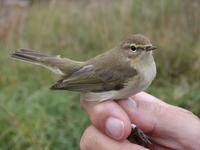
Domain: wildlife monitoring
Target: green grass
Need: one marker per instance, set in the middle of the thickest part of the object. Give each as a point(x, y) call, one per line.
point(33, 117)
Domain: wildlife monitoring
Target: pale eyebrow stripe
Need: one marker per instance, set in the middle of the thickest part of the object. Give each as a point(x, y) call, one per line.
point(143, 45)
point(137, 46)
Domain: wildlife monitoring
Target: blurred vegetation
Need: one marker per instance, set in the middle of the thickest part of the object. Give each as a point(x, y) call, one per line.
point(33, 117)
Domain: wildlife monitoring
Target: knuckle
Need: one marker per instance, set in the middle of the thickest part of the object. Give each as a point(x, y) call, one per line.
point(99, 109)
point(100, 113)
point(103, 108)
point(157, 108)
point(85, 142)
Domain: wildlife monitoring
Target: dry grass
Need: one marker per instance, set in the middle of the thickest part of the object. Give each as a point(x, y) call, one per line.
point(34, 117)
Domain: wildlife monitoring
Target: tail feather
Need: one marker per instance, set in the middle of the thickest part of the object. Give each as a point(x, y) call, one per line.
point(29, 55)
point(25, 58)
point(56, 64)
point(33, 52)
point(39, 58)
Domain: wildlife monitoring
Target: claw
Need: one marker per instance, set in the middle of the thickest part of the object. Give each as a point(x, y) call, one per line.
point(139, 137)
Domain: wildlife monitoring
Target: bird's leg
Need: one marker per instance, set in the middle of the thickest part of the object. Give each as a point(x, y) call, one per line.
point(139, 137)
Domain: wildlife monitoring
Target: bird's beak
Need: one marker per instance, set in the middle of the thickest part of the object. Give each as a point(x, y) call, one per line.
point(150, 48)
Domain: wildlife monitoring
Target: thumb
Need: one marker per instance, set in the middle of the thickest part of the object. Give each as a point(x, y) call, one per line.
point(145, 111)
point(163, 122)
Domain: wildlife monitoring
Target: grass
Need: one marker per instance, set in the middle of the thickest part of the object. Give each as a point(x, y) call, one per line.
point(33, 117)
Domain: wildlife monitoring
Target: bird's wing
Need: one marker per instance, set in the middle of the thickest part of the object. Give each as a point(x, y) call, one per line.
point(94, 79)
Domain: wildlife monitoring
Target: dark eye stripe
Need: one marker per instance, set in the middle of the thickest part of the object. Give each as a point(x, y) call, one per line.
point(140, 48)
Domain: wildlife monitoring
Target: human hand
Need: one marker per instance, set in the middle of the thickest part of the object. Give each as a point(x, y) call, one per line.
point(169, 127)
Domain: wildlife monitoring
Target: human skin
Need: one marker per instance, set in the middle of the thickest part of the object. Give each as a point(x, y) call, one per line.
point(168, 126)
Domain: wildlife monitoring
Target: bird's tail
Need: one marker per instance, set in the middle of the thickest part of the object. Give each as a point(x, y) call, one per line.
point(30, 56)
point(54, 63)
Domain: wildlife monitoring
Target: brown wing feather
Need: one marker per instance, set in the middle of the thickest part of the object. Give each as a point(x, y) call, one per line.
point(92, 79)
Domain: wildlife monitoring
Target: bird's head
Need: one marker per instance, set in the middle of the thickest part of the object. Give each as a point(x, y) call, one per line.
point(137, 45)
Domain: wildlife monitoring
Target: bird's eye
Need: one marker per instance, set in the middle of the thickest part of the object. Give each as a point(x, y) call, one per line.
point(133, 47)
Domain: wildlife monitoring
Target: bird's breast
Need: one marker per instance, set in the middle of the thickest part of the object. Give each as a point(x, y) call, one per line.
point(146, 72)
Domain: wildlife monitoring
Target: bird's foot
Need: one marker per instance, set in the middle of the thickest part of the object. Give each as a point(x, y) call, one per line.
point(139, 137)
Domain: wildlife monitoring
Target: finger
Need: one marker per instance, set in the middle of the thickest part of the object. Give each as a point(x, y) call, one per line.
point(94, 139)
point(108, 117)
point(145, 110)
point(158, 147)
point(163, 122)
point(147, 97)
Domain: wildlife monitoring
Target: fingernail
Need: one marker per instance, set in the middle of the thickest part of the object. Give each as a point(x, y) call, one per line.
point(129, 103)
point(115, 128)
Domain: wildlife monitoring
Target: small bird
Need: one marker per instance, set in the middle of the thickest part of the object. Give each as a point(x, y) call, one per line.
point(115, 74)
point(118, 73)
